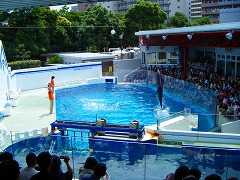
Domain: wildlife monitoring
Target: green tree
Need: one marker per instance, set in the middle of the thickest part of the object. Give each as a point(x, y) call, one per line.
point(178, 20)
point(22, 53)
point(200, 21)
point(96, 26)
point(55, 60)
point(31, 28)
point(144, 15)
point(63, 10)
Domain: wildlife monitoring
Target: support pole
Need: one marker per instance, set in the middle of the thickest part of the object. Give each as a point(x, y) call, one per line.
point(184, 62)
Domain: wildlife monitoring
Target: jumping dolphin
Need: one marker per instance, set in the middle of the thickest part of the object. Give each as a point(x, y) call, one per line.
point(159, 81)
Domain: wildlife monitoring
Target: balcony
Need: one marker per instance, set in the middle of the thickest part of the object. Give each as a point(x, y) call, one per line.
point(197, 3)
point(210, 12)
point(164, 2)
point(195, 16)
point(215, 4)
point(194, 8)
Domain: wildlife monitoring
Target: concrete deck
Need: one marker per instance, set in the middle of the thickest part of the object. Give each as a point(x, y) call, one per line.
point(32, 112)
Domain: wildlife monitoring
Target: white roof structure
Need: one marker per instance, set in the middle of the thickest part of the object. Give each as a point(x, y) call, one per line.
point(204, 28)
point(86, 56)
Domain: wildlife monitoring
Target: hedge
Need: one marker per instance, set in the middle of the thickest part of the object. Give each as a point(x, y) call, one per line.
point(24, 64)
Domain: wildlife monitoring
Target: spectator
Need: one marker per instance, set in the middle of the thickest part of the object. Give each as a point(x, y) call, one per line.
point(196, 172)
point(99, 172)
point(88, 167)
point(190, 177)
point(232, 178)
point(44, 160)
point(6, 156)
point(27, 172)
point(9, 170)
point(181, 172)
point(213, 177)
point(56, 167)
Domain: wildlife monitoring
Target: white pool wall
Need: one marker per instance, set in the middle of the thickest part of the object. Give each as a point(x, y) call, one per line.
point(34, 78)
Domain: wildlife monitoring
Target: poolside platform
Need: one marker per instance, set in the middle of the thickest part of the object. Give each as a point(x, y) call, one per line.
point(101, 129)
point(31, 112)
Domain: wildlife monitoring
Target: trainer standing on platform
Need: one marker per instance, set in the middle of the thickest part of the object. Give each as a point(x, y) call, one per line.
point(50, 97)
point(52, 83)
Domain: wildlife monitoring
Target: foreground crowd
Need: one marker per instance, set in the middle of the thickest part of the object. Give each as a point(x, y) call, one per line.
point(48, 167)
point(184, 173)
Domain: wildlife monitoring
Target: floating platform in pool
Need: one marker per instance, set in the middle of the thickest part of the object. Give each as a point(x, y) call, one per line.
point(101, 128)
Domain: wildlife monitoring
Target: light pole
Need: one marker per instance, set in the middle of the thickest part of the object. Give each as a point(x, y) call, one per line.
point(120, 37)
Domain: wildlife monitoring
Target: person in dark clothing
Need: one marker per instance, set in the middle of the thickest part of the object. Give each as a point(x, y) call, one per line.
point(6, 156)
point(9, 170)
point(99, 171)
point(56, 167)
point(44, 160)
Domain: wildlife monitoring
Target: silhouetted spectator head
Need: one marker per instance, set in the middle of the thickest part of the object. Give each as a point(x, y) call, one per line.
point(190, 177)
point(31, 160)
point(6, 156)
point(56, 164)
point(232, 178)
point(9, 170)
point(196, 172)
point(213, 177)
point(181, 172)
point(90, 163)
point(44, 160)
point(100, 170)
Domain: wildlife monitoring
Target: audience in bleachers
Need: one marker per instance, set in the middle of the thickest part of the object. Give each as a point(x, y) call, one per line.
point(202, 74)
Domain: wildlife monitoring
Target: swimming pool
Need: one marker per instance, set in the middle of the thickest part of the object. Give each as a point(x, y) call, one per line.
point(130, 160)
point(119, 104)
point(124, 159)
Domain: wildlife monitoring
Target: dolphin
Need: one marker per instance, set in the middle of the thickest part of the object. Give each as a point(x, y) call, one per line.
point(159, 82)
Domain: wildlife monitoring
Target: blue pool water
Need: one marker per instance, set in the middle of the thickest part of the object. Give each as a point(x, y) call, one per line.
point(120, 104)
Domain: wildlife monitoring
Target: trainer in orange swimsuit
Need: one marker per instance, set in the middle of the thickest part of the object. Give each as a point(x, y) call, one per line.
point(52, 83)
point(50, 97)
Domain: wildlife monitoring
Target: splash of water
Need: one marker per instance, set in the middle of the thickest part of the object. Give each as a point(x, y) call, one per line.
point(161, 113)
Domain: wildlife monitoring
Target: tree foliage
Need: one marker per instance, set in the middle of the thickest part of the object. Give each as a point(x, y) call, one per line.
point(22, 53)
point(144, 15)
point(200, 21)
point(177, 20)
point(37, 31)
point(55, 60)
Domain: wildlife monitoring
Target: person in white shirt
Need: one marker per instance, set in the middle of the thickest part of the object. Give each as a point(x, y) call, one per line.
point(27, 172)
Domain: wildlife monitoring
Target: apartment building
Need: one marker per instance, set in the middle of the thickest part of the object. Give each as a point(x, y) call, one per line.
point(83, 6)
point(183, 6)
point(168, 6)
point(213, 8)
point(196, 9)
point(217, 10)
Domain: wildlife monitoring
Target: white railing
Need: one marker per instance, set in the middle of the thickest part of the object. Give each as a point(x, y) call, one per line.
point(124, 79)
